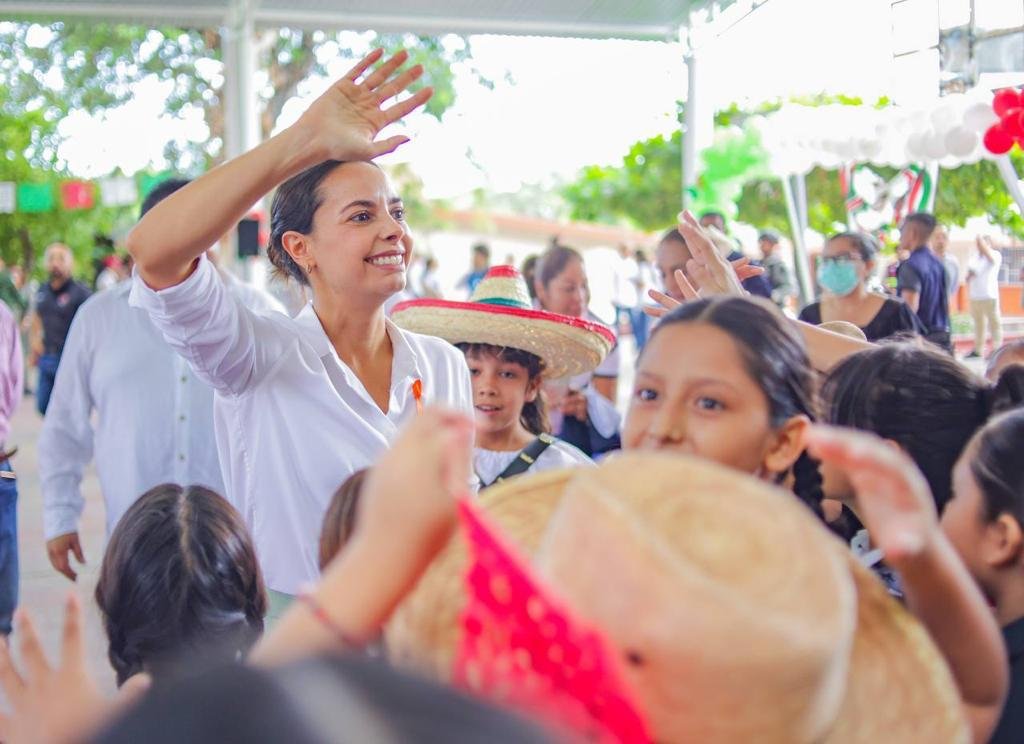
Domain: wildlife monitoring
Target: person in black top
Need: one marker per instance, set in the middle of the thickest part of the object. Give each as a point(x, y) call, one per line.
point(56, 304)
point(985, 522)
point(846, 264)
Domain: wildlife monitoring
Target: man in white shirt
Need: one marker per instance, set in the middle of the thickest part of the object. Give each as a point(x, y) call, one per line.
point(124, 397)
point(626, 297)
point(983, 294)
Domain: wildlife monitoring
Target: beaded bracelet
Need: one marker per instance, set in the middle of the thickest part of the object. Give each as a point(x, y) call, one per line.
point(327, 622)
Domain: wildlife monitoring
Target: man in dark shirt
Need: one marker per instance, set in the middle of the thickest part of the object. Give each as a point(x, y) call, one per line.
point(921, 279)
point(56, 304)
point(756, 285)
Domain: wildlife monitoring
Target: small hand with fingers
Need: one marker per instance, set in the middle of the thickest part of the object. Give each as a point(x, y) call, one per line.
point(344, 122)
point(893, 498)
point(707, 273)
point(48, 703)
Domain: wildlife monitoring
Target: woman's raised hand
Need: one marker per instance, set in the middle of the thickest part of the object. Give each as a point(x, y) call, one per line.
point(344, 122)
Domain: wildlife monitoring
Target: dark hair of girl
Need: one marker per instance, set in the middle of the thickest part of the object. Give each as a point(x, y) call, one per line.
point(920, 398)
point(864, 243)
point(295, 202)
point(179, 577)
point(775, 359)
point(998, 467)
point(340, 519)
point(534, 417)
point(553, 261)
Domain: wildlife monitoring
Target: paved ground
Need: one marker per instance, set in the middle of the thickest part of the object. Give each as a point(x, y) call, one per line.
point(43, 590)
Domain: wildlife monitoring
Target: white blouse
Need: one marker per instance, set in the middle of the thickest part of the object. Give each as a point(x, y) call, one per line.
point(489, 464)
point(292, 420)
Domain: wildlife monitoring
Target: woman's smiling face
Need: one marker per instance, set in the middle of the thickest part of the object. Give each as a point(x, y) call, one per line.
point(359, 242)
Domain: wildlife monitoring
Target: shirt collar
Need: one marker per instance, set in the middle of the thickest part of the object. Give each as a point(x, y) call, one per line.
point(405, 365)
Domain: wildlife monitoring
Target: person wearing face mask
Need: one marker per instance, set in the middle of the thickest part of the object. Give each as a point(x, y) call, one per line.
point(846, 265)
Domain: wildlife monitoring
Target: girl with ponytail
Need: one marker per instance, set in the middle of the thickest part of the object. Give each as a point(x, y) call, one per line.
point(728, 379)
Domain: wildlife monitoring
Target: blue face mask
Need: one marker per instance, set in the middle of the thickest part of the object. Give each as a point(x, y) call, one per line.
point(838, 277)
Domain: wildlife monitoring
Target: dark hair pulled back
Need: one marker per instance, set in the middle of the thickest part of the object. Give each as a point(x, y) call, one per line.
point(920, 398)
point(534, 417)
point(775, 358)
point(179, 577)
point(998, 467)
point(865, 244)
point(553, 261)
point(295, 202)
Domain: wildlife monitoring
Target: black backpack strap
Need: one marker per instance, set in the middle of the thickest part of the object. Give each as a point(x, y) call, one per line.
point(526, 458)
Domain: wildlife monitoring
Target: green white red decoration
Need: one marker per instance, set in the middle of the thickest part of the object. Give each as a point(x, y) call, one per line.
point(874, 204)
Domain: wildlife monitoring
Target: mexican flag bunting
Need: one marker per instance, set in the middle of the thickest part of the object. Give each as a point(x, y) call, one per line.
point(118, 191)
point(8, 189)
point(77, 195)
point(35, 197)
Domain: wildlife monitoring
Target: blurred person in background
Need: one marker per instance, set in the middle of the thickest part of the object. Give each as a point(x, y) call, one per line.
point(776, 270)
point(846, 265)
point(983, 294)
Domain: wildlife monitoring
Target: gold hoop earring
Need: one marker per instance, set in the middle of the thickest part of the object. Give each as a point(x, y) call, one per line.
point(309, 268)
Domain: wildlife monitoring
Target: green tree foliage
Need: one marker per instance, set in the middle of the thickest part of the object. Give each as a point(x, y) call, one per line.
point(49, 68)
point(645, 189)
point(28, 141)
point(65, 65)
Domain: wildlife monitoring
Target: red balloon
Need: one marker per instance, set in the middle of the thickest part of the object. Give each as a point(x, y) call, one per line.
point(1006, 99)
point(1012, 124)
point(997, 140)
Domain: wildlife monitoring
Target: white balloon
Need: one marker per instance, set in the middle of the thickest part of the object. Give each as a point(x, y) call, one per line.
point(869, 148)
point(979, 116)
point(935, 146)
point(960, 142)
point(942, 118)
point(916, 146)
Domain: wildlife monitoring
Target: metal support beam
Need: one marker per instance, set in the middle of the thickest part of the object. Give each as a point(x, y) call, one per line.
point(690, 126)
point(792, 187)
point(241, 118)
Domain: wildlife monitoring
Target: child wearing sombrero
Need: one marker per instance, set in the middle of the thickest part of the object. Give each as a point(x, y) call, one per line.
point(510, 348)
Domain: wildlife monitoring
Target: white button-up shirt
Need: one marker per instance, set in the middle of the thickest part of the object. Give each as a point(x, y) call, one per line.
point(153, 418)
point(292, 420)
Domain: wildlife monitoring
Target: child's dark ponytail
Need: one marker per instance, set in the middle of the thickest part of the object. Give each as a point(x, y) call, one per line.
point(807, 482)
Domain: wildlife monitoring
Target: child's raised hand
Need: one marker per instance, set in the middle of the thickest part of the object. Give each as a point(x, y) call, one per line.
point(665, 304)
point(53, 703)
point(343, 123)
point(410, 494)
point(708, 272)
point(892, 496)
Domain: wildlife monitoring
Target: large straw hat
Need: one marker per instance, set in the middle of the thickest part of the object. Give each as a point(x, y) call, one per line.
point(738, 616)
point(500, 314)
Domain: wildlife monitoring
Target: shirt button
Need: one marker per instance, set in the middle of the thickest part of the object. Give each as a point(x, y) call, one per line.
point(184, 378)
point(181, 457)
point(181, 417)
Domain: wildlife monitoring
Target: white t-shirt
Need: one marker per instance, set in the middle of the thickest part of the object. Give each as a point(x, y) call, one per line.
point(984, 284)
point(489, 464)
point(292, 420)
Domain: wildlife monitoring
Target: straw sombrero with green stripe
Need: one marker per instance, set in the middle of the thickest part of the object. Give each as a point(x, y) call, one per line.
point(500, 314)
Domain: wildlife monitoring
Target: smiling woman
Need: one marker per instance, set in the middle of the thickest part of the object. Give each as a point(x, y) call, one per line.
point(301, 403)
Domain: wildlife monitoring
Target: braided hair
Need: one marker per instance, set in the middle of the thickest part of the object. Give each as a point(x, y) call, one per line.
point(776, 359)
point(920, 398)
